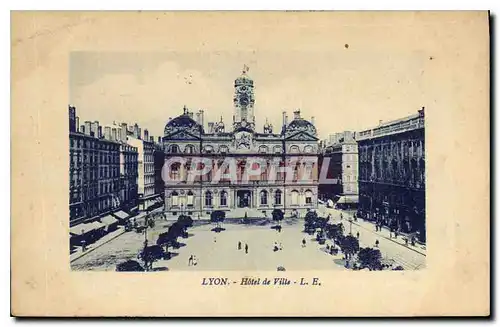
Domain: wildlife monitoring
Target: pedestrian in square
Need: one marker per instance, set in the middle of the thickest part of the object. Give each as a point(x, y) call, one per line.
point(303, 242)
point(357, 235)
point(246, 248)
point(376, 243)
point(190, 261)
point(239, 245)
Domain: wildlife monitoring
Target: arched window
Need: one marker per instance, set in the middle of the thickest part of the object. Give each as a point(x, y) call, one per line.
point(308, 149)
point(223, 198)
point(294, 149)
point(189, 149)
point(190, 198)
point(277, 149)
point(309, 196)
point(277, 197)
point(295, 197)
point(175, 199)
point(208, 198)
point(174, 148)
point(263, 197)
point(209, 149)
point(263, 149)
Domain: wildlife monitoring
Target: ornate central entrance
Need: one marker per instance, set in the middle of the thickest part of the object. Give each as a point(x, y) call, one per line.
point(243, 198)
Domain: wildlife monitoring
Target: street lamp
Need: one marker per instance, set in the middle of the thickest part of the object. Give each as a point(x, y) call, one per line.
point(350, 226)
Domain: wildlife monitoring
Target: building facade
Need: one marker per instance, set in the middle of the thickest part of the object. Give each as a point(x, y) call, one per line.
point(149, 195)
point(392, 174)
point(128, 174)
point(241, 191)
point(340, 153)
point(94, 170)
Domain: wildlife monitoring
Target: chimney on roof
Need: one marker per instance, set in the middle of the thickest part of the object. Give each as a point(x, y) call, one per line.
point(210, 127)
point(87, 127)
point(285, 118)
point(380, 122)
point(99, 132)
point(82, 129)
point(312, 120)
point(137, 134)
point(159, 139)
point(123, 132)
point(77, 123)
point(146, 135)
point(107, 133)
point(113, 134)
point(94, 126)
point(202, 118)
point(152, 139)
point(198, 118)
point(296, 114)
point(72, 119)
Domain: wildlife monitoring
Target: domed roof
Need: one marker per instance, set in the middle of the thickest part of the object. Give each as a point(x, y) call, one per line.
point(243, 79)
point(300, 124)
point(183, 122)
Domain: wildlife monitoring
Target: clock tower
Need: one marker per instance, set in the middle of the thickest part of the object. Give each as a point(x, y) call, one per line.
point(243, 101)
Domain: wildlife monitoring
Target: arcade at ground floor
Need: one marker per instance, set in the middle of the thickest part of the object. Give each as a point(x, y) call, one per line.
point(202, 200)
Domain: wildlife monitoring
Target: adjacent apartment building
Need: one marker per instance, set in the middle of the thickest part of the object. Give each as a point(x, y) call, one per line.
point(339, 155)
point(392, 174)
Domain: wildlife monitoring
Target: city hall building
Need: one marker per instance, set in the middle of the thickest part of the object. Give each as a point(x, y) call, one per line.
point(293, 149)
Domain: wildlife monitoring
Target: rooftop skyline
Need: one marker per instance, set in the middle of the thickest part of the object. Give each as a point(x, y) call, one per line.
point(350, 89)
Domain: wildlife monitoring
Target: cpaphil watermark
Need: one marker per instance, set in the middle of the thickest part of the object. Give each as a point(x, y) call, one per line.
point(192, 170)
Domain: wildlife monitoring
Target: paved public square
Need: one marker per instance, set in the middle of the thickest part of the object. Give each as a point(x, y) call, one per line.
point(219, 251)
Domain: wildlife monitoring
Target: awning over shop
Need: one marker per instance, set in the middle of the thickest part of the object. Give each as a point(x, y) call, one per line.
point(108, 220)
point(82, 229)
point(348, 199)
point(142, 214)
point(121, 214)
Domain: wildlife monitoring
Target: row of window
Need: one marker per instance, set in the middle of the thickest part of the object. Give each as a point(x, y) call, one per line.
point(223, 198)
point(80, 143)
point(191, 149)
point(404, 149)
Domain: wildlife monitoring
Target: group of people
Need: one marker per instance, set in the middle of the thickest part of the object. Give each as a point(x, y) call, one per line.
point(277, 247)
point(240, 247)
point(332, 250)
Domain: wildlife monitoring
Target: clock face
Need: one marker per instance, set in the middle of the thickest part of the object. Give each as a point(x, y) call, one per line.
point(243, 100)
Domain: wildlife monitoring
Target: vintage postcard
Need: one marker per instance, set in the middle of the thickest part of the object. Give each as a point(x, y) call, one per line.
point(251, 163)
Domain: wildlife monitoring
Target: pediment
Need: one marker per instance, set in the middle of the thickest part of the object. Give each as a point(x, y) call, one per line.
point(301, 136)
point(182, 135)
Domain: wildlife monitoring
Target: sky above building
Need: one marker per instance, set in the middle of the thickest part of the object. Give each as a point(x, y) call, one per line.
point(351, 88)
